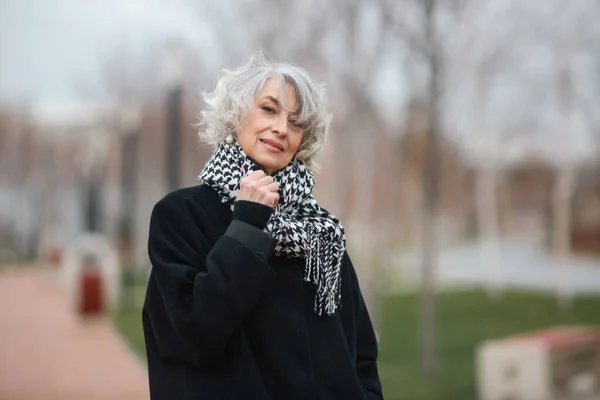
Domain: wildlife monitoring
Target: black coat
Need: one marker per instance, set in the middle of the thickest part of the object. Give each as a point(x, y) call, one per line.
point(223, 319)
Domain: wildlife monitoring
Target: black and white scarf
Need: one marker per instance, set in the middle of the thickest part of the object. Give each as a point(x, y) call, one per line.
point(300, 226)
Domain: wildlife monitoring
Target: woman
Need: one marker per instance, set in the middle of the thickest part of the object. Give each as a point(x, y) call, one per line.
point(252, 294)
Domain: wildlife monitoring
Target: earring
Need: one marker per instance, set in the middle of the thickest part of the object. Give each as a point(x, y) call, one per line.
point(229, 139)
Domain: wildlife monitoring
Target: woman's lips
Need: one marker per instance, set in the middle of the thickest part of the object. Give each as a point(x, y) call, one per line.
point(272, 145)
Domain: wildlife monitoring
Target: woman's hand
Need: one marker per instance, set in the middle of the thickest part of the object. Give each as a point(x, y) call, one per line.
point(260, 188)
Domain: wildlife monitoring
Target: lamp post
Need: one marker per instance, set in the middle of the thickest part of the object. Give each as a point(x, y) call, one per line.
point(130, 120)
point(173, 72)
point(88, 266)
point(92, 160)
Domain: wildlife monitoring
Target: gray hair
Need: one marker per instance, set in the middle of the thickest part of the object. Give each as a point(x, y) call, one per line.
point(235, 94)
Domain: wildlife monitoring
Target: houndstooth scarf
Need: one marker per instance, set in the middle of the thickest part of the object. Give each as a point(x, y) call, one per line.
point(300, 226)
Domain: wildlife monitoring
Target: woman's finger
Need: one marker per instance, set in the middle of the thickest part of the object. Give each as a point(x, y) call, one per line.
point(264, 181)
point(254, 176)
point(272, 187)
point(274, 199)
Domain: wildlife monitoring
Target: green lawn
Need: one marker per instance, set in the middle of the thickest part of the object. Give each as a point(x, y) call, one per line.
point(465, 319)
point(129, 321)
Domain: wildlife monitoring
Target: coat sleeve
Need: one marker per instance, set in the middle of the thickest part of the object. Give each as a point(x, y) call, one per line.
point(366, 344)
point(198, 296)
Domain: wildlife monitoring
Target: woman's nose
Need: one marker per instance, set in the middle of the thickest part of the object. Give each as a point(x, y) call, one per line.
point(280, 125)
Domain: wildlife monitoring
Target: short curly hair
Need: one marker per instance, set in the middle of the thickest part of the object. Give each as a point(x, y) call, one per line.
point(235, 94)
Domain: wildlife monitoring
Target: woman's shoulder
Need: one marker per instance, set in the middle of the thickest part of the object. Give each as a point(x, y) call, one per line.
point(200, 196)
point(199, 200)
point(193, 211)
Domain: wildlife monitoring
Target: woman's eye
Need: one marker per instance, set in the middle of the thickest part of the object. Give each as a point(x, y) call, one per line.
point(269, 110)
point(296, 123)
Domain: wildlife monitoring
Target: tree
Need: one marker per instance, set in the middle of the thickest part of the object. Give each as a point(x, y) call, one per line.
point(421, 41)
point(431, 188)
point(484, 57)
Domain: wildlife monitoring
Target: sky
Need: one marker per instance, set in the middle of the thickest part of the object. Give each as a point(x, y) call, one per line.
point(48, 48)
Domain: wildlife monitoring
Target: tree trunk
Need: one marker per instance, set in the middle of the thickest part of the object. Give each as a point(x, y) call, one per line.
point(563, 186)
point(487, 216)
point(429, 361)
point(173, 137)
point(561, 234)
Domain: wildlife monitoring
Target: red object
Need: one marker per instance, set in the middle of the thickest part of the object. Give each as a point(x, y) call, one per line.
point(54, 257)
point(91, 285)
point(561, 338)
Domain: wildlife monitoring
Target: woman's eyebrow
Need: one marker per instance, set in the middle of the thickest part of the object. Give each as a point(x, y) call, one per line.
point(276, 101)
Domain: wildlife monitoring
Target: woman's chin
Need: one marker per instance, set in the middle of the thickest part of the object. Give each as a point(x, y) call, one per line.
point(268, 165)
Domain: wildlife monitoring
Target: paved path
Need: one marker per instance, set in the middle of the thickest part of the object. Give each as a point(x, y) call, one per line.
point(47, 352)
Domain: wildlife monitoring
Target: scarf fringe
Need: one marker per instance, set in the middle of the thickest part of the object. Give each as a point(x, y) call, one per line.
point(323, 269)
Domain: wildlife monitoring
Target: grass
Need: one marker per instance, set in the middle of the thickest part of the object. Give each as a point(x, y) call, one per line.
point(464, 320)
point(128, 321)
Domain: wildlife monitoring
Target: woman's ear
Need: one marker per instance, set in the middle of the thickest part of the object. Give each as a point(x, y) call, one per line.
point(231, 128)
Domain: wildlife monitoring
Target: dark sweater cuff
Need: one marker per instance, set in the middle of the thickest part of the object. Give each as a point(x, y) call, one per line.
point(259, 242)
point(250, 212)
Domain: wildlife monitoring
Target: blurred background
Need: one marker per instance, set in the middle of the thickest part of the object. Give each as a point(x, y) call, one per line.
point(463, 158)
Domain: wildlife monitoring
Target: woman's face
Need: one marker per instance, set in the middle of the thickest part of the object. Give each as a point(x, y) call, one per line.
point(271, 134)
